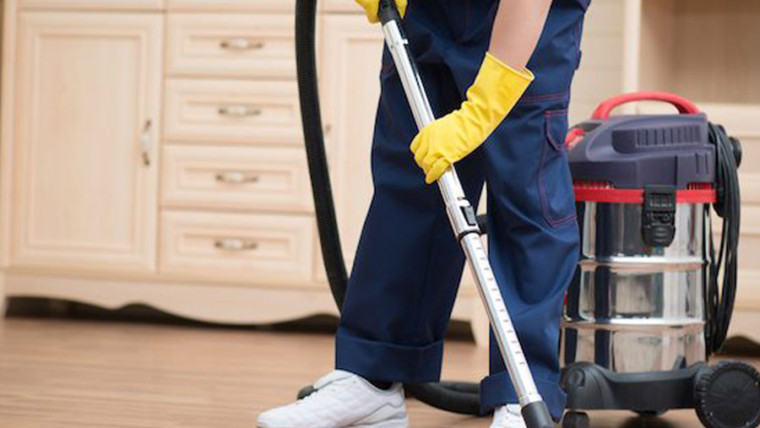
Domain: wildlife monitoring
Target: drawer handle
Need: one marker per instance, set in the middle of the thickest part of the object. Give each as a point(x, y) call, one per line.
point(236, 177)
point(146, 143)
point(234, 244)
point(241, 44)
point(239, 110)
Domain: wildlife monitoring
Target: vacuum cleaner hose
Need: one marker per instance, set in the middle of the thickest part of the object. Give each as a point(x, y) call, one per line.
point(311, 118)
point(451, 396)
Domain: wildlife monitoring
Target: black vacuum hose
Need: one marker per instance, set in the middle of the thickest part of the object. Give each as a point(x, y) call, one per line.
point(722, 280)
point(450, 396)
point(311, 118)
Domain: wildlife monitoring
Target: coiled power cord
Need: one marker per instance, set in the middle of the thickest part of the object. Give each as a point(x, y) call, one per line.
point(720, 294)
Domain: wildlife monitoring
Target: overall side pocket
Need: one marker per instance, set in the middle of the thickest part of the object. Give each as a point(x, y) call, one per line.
point(555, 184)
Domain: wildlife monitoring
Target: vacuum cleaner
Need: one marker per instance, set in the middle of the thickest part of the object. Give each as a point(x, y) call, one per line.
point(462, 397)
point(653, 294)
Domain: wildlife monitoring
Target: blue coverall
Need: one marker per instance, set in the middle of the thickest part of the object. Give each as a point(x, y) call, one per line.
point(408, 264)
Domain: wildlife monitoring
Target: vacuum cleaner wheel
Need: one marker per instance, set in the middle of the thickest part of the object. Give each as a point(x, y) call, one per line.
point(576, 420)
point(728, 396)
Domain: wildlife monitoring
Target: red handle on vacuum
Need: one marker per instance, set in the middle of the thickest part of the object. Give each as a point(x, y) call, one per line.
point(683, 105)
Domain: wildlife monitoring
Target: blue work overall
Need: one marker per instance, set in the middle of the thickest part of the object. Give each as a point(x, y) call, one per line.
point(408, 265)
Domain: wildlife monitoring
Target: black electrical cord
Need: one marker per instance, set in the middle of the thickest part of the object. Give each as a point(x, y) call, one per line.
point(450, 396)
point(723, 261)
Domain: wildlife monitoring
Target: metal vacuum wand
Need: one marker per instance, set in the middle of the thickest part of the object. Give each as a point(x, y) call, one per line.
point(465, 226)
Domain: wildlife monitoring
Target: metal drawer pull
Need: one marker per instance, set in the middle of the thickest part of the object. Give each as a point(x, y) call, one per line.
point(241, 44)
point(239, 110)
point(236, 177)
point(233, 244)
point(146, 143)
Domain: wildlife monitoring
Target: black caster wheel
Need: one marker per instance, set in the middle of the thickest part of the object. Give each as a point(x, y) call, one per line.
point(576, 420)
point(728, 396)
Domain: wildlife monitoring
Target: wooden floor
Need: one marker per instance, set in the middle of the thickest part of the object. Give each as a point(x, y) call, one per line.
point(69, 373)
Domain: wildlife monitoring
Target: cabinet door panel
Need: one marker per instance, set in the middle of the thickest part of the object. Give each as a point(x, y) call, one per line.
point(352, 51)
point(87, 112)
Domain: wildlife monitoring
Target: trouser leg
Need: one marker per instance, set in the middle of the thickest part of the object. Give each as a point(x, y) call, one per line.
point(408, 264)
point(533, 245)
point(533, 236)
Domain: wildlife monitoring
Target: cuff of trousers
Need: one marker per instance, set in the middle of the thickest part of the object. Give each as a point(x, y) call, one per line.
point(497, 390)
point(387, 362)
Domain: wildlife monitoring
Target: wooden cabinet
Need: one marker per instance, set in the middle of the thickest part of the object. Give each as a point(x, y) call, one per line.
point(87, 115)
point(351, 53)
point(101, 108)
point(701, 49)
point(601, 73)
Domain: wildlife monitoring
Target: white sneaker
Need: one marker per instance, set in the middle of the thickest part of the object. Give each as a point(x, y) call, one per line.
point(342, 400)
point(508, 416)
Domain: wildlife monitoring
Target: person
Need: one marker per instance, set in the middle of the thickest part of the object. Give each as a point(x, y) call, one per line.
point(498, 74)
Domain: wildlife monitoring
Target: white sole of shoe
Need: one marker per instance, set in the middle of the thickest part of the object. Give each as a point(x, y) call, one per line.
point(396, 423)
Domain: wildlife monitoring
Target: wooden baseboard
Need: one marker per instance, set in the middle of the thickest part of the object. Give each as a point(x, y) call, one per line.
point(228, 304)
point(745, 324)
point(215, 303)
point(221, 303)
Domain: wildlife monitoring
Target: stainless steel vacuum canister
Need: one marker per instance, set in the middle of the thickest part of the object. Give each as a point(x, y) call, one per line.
point(654, 290)
point(643, 187)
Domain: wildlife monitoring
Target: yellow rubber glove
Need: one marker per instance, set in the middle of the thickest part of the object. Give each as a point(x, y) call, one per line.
point(371, 8)
point(449, 139)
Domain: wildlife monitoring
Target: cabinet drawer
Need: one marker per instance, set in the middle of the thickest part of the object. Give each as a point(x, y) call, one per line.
point(233, 5)
point(240, 45)
point(256, 249)
point(339, 6)
point(232, 111)
point(235, 178)
point(93, 4)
